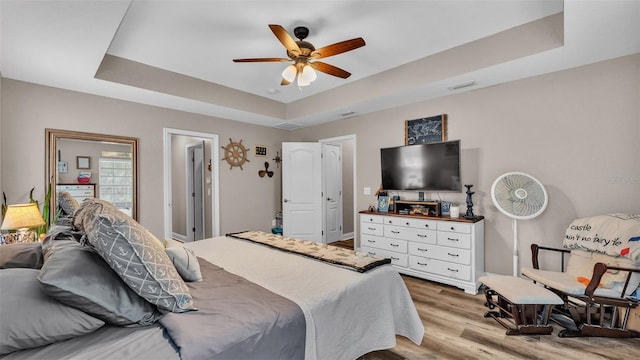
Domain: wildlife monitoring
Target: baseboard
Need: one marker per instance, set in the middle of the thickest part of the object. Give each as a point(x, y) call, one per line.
point(179, 237)
point(347, 236)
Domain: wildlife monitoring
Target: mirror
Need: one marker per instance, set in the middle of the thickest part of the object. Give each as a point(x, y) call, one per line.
point(93, 165)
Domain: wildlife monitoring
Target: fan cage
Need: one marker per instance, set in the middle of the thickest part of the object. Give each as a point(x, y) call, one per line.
point(519, 195)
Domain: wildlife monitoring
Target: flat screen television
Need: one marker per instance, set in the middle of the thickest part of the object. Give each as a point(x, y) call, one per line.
point(423, 167)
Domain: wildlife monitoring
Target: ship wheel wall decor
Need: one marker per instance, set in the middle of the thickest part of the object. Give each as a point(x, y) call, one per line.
point(235, 154)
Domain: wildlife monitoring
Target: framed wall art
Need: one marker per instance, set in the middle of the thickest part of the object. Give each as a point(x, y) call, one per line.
point(425, 130)
point(383, 203)
point(83, 162)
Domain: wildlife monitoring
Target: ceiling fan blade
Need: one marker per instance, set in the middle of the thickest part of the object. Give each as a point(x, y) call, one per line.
point(285, 82)
point(329, 69)
point(338, 48)
point(261, 60)
point(285, 39)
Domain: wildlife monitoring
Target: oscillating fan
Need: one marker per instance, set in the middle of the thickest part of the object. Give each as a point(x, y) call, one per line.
point(520, 196)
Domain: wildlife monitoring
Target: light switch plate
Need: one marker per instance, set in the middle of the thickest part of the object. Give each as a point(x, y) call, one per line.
point(367, 191)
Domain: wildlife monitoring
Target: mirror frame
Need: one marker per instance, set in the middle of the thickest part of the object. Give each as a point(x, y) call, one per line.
point(51, 166)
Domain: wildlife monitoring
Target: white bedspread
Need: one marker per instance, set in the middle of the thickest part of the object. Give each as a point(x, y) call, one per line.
point(348, 314)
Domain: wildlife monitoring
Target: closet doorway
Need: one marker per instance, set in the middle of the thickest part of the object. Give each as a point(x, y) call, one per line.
point(190, 182)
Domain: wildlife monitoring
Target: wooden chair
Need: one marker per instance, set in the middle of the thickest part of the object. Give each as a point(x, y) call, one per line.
point(598, 303)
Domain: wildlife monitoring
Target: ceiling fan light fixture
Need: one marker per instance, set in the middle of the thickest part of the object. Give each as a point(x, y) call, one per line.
point(308, 74)
point(289, 73)
point(303, 82)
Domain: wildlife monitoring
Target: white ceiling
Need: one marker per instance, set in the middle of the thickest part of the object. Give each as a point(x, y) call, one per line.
point(62, 44)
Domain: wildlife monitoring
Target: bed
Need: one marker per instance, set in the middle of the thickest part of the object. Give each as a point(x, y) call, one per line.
point(341, 313)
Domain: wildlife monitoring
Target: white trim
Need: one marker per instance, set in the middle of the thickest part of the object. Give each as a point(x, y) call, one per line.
point(215, 178)
point(180, 237)
point(347, 236)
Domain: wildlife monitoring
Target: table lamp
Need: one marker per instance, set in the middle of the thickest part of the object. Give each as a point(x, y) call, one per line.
point(22, 217)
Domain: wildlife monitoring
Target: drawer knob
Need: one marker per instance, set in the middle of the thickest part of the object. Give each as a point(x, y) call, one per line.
point(454, 270)
point(421, 264)
point(423, 250)
point(395, 232)
point(395, 258)
point(422, 236)
point(427, 226)
point(452, 228)
point(452, 239)
point(394, 245)
point(450, 254)
point(408, 224)
point(371, 241)
point(370, 228)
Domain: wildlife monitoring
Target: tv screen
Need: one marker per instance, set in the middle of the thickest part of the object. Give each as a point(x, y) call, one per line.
point(424, 167)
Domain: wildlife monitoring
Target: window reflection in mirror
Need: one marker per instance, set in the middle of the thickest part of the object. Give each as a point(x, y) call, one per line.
point(93, 165)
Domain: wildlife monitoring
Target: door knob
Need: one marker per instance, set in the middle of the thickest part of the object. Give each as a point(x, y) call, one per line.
point(286, 200)
point(329, 199)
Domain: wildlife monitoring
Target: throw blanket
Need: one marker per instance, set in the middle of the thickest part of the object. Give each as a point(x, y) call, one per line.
point(346, 258)
point(614, 235)
point(236, 319)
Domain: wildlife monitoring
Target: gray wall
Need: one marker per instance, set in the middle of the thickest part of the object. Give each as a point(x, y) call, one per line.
point(576, 130)
point(247, 201)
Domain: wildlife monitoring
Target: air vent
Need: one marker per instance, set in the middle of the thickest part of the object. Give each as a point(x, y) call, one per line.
point(287, 126)
point(463, 85)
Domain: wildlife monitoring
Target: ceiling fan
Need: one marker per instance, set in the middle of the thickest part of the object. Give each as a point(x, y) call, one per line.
point(304, 56)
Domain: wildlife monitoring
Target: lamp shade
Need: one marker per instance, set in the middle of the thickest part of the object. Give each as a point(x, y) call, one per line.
point(308, 74)
point(22, 216)
point(289, 73)
point(302, 82)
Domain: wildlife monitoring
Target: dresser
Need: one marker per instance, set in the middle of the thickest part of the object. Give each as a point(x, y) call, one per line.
point(78, 191)
point(449, 251)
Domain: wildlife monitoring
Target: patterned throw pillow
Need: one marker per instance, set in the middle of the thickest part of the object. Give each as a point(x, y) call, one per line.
point(67, 203)
point(87, 211)
point(74, 275)
point(135, 255)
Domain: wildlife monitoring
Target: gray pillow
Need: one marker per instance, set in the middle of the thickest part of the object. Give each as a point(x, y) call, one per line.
point(135, 255)
point(86, 211)
point(30, 318)
point(186, 262)
point(78, 277)
point(21, 255)
point(67, 203)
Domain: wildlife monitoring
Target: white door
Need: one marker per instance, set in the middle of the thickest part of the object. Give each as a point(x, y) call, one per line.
point(332, 184)
point(302, 200)
point(195, 191)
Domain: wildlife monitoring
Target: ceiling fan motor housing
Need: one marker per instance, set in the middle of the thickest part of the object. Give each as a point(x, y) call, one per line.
point(301, 32)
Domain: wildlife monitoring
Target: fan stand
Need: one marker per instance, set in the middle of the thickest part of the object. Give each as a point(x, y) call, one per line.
point(516, 270)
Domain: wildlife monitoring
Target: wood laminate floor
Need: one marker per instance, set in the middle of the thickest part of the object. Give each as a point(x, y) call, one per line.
point(455, 328)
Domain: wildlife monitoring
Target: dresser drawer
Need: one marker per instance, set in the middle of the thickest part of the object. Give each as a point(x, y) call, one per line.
point(371, 228)
point(462, 241)
point(399, 232)
point(425, 236)
point(460, 256)
point(396, 258)
point(384, 243)
point(373, 219)
point(412, 223)
point(444, 268)
point(454, 227)
point(411, 234)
